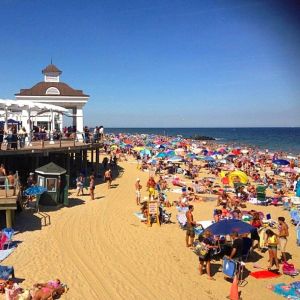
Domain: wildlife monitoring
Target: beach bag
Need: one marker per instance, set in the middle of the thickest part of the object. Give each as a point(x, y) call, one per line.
point(202, 251)
point(289, 269)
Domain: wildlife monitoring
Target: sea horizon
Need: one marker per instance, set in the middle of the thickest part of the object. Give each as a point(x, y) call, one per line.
point(285, 139)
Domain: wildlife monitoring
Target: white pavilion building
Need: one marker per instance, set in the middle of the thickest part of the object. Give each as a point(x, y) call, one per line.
point(53, 91)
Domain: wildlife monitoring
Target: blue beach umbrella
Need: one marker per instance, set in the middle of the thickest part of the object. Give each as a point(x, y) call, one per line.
point(145, 152)
point(161, 155)
point(35, 190)
point(191, 155)
point(208, 158)
point(225, 227)
point(281, 162)
point(170, 153)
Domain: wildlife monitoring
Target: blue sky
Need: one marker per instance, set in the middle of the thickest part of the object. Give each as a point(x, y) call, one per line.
point(161, 63)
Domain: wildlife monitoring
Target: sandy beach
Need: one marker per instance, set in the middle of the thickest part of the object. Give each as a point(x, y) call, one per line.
point(102, 251)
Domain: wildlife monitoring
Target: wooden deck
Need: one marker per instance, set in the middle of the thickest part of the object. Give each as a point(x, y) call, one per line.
point(44, 147)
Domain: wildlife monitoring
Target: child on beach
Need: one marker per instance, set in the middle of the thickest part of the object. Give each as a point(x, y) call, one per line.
point(79, 184)
point(92, 186)
point(272, 244)
point(108, 177)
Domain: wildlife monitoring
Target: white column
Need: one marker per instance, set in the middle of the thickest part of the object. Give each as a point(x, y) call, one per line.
point(25, 120)
point(60, 122)
point(52, 127)
point(79, 123)
point(5, 121)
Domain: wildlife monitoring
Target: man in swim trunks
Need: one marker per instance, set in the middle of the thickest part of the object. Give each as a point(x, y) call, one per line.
point(138, 188)
point(190, 224)
point(283, 233)
point(151, 187)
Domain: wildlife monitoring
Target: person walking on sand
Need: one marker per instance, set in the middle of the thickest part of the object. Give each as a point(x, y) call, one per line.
point(190, 224)
point(108, 177)
point(151, 187)
point(272, 244)
point(207, 247)
point(80, 184)
point(283, 233)
point(138, 188)
point(92, 186)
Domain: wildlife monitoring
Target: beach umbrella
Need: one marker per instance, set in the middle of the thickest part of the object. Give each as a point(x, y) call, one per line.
point(197, 150)
point(281, 162)
point(222, 161)
point(35, 190)
point(191, 155)
point(226, 227)
point(179, 151)
point(170, 153)
point(244, 151)
point(152, 161)
point(241, 175)
point(138, 148)
point(208, 158)
point(161, 155)
point(145, 152)
point(175, 158)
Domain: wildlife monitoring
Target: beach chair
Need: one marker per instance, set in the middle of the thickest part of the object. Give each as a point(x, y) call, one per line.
point(295, 217)
point(232, 267)
point(261, 195)
point(182, 220)
point(6, 272)
point(9, 233)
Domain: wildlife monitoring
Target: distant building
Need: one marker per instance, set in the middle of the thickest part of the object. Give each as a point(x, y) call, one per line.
point(53, 91)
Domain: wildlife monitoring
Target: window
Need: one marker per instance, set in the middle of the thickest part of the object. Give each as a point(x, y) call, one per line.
point(51, 184)
point(52, 91)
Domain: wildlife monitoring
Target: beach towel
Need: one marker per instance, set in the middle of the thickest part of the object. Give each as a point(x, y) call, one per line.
point(177, 191)
point(140, 216)
point(182, 209)
point(6, 271)
point(264, 274)
point(5, 253)
point(181, 218)
point(285, 291)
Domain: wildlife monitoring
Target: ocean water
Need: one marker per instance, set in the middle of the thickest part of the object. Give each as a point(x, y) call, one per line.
point(285, 139)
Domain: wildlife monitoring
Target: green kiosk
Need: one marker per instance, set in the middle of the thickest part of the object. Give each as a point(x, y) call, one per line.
point(56, 181)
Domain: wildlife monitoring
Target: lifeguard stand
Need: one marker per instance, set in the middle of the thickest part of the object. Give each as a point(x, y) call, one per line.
point(56, 181)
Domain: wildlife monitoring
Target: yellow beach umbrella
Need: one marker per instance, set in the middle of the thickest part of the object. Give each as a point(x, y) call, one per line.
point(243, 178)
point(138, 148)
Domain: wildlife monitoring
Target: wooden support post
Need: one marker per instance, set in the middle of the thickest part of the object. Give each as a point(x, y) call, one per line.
point(85, 161)
point(68, 164)
point(60, 141)
point(8, 218)
point(92, 157)
point(97, 162)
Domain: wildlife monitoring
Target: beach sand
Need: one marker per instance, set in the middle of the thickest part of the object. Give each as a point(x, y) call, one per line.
point(102, 251)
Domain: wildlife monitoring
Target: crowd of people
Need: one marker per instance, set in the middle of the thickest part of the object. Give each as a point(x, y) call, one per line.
point(218, 172)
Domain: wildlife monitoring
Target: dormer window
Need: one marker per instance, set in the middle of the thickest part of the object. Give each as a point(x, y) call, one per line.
point(52, 91)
